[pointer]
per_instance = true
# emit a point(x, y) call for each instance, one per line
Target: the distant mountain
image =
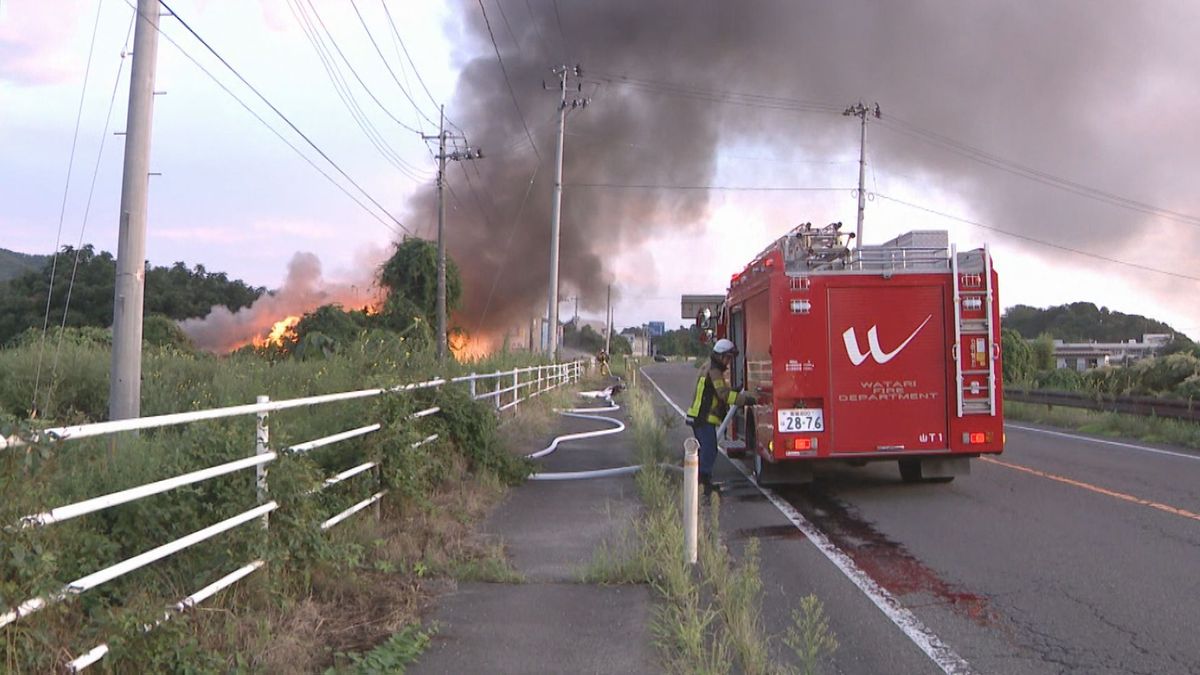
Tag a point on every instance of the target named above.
point(1081, 322)
point(13, 264)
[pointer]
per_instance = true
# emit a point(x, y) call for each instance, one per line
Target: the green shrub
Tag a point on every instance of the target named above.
point(1060, 379)
point(37, 561)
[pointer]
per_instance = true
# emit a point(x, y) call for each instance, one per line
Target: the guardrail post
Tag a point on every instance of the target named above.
point(379, 488)
point(472, 383)
point(262, 445)
point(496, 394)
point(516, 387)
point(691, 501)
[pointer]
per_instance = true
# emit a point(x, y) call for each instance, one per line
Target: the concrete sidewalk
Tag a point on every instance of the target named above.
point(552, 623)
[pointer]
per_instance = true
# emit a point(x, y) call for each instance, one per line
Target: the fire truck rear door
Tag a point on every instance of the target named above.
point(888, 353)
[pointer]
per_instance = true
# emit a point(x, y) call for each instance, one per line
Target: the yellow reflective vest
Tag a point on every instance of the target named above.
point(713, 398)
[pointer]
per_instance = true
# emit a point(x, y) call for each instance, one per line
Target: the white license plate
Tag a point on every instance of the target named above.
point(795, 420)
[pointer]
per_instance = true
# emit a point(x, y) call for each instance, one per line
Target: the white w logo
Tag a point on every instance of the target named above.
point(881, 357)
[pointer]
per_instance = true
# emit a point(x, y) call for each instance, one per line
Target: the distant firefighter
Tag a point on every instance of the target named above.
point(602, 360)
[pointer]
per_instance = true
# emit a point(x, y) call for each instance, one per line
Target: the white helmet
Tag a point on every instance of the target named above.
point(724, 346)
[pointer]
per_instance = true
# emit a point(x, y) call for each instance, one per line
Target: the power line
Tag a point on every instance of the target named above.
point(596, 139)
point(732, 188)
point(508, 82)
point(342, 88)
point(512, 229)
point(271, 128)
point(62, 213)
point(901, 126)
point(561, 33)
point(717, 95)
point(1036, 175)
point(508, 26)
point(386, 64)
point(1034, 240)
point(396, 34)
point(354, 72)
point(285, 118)
point(538, 29)
point(87, 209)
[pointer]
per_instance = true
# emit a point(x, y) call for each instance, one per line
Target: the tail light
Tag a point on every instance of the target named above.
point(804, 444)
point(977, 437)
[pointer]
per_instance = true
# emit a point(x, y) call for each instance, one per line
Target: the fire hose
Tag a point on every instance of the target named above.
point(587, 414)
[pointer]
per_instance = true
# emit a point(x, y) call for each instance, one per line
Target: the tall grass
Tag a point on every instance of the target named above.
point(35, 562)
point(1183, 433)
point(709, 617)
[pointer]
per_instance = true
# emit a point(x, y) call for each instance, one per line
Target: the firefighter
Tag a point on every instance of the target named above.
point(709, 406)
point(602, 359)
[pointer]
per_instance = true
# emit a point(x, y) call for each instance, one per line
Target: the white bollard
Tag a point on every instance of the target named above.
point(262, 445)
point(691, 497)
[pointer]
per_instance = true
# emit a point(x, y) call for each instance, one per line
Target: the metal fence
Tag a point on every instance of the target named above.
point(1130, 405)
point(502, 389)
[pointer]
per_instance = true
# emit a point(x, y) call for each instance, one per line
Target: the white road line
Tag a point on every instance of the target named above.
point(926, 640)
point(1118, 444)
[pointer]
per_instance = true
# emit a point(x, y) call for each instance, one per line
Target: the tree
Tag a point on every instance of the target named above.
point(333, 322)
point(176, 292)
point(1043, 352)
point(1081, 322)
point(411, 273)
point(680, 342)
point(1018, 357)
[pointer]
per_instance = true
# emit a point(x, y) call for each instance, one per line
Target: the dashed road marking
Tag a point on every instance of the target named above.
point(1100, 441)
point(1166, 508)
point(908, 623)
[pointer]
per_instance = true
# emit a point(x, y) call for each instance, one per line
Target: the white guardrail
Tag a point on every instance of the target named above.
point(505, 389)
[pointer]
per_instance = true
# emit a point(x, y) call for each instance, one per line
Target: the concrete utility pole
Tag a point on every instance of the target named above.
point(861, 111)
point(465, 155)
point(608, 327)
point(125, 377)
point(564, 73)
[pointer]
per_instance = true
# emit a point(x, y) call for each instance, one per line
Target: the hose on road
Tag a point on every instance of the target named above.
point(587, 414)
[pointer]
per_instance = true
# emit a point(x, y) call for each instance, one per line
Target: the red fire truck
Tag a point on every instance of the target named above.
point(873, 353)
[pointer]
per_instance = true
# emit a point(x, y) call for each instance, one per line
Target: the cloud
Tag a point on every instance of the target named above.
point(36, 46)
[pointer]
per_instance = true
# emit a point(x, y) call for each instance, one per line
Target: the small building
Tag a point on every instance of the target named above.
point(639, 340)
point(1082, 356)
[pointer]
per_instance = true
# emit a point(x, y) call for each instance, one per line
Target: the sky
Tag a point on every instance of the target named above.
point(1093, 100)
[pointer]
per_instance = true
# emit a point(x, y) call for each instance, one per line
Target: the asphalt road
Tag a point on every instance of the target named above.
point(1066, 555)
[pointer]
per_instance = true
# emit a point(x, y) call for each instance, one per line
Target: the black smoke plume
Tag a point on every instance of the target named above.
point(1094, 91)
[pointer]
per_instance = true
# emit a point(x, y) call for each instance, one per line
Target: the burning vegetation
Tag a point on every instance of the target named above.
point(309, 310)
point(283, 330)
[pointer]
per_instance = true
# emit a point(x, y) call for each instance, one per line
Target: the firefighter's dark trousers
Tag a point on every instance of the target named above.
point(707, 435)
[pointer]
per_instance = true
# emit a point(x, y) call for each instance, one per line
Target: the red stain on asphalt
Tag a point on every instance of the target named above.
point(884, 560)
point(788, 531)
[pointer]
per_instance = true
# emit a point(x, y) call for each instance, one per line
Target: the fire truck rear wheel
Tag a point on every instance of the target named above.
point(763, 473)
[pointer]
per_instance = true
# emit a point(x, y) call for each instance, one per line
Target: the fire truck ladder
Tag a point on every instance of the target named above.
point(980, 327)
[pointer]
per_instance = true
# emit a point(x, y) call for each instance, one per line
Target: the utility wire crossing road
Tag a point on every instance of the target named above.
point(1066, 554)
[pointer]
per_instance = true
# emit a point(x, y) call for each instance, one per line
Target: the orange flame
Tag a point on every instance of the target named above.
point(466, 347)
point(284, 329)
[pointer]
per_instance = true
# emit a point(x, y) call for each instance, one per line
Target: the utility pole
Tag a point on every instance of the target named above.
point(465, 155)
point(564, 74)
point(125, 376)
point(861, 111)
point(608, 327)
